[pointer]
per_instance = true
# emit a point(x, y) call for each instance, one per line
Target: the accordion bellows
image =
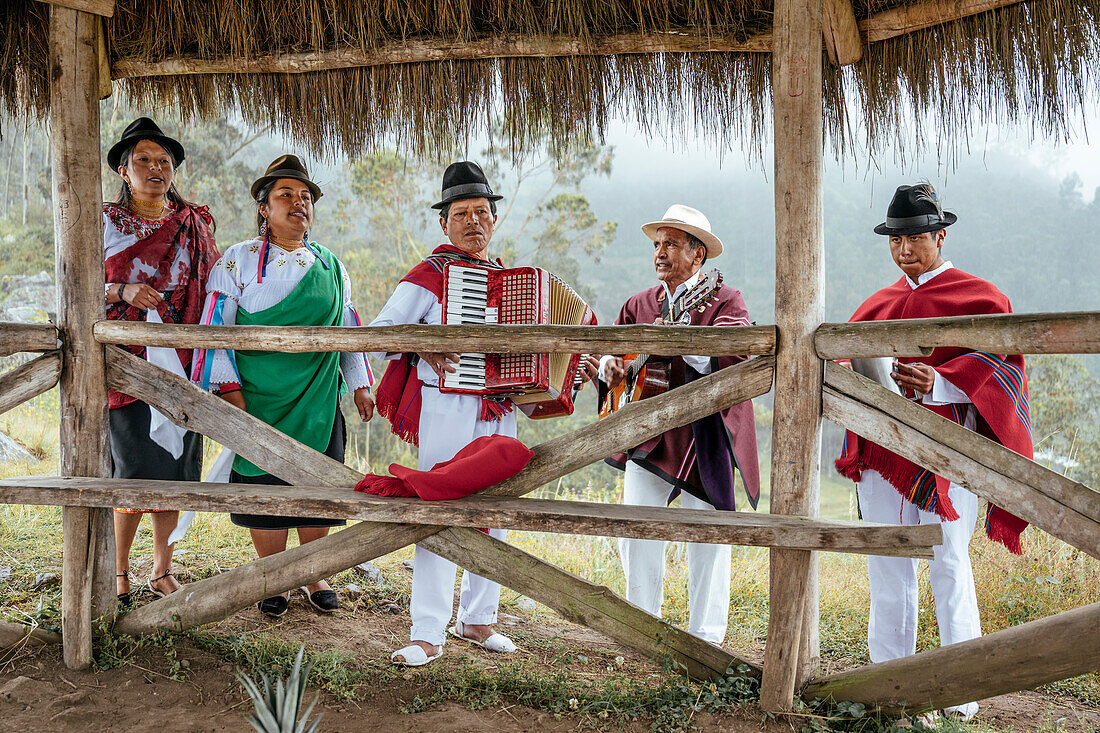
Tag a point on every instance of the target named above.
point(475, 295)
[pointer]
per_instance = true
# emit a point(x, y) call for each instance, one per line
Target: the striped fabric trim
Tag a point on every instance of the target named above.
point(730, 321)
point(204, 360)
point(1011, 380)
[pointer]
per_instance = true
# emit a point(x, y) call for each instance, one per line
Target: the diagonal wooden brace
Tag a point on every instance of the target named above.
point(215, 598)
point(1060, 506)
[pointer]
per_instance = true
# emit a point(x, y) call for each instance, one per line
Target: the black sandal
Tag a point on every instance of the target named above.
point(274, 607)
point(124, 599)
point(154, 591)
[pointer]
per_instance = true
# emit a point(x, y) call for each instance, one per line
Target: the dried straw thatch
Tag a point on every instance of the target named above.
point(1035, 61)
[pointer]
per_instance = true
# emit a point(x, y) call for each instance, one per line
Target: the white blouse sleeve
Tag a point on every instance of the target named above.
point(353, 364)
point(223, 287)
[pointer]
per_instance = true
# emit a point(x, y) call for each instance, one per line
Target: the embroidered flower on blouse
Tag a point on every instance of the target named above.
point(129, 223)
point(301, 262)
point(254, 247)
point(229, 265)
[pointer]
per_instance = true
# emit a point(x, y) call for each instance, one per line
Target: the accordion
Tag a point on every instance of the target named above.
point(475, 295)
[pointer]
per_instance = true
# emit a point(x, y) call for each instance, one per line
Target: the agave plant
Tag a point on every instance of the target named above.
point(277, 705)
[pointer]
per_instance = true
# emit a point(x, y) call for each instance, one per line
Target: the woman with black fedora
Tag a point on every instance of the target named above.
point(158, 251)
point(281, 278)
point(980, 391)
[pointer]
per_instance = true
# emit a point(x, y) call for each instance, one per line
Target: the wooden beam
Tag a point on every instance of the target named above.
point(579, 601)
point(910, 18)
point(419, 50)
point(1064, 508)
point(29, 380)
point(716, 340)
point(215, 598)
point(12, 633)
point(791, 652)
point(1019, 658)
point(880, 27)
point(531, 515)
point(105, 8)
point(87, 581)
point(842, 41)
point(16, 337)
point(1015, 333)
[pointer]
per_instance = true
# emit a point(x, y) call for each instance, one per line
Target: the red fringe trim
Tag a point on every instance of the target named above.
point(493, 410)
point(1006, 528)
point(852, 466)
point(372, 483)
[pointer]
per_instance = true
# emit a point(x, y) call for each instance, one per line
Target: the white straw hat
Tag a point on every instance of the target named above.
point(689, 220)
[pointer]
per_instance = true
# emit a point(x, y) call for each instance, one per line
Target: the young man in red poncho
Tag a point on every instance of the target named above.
point(443, 424)
point(983, 392)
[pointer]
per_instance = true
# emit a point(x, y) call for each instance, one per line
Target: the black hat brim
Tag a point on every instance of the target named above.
point(173, 146)
point(948, 219)
point(285, 173)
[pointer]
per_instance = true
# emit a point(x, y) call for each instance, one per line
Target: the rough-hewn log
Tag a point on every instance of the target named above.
point(416, 50)
point(582, 602)
point(532, 515)
point(12, 633)
point(87, 587)
point(791, 652)
point(842, 41)
point(214, 598)
point(1016, 333)
point(718, 340)
point(1019, 658)
point(1066, 509)
point(883, 26)
point(29, 380)
point(15, 337)
point(907, 19)
point(105, 8)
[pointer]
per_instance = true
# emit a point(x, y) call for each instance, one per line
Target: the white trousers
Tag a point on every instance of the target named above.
point(447, 424)
point(892, 624)
point(644, 562)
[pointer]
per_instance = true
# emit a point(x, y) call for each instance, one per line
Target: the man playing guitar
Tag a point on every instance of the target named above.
point(694, 461)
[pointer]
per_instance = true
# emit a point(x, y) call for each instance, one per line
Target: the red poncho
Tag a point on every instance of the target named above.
point(996, 385)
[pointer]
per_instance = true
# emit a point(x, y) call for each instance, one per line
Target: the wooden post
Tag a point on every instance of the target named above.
point(792, 644)
point(87, 589)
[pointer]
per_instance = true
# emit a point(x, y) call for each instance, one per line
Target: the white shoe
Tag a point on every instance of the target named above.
point(414, 655)
point(498, 643)
point(963, 712)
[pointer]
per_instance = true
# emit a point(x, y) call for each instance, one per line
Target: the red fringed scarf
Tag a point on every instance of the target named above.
point(186, 227)
point(485, 462)
point(397, 396)
point(996, 385)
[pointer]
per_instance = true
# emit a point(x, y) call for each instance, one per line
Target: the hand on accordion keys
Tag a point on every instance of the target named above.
point(441, 362)
point(588, 369)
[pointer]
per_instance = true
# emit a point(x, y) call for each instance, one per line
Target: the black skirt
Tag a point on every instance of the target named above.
point(136, 455)
point(335, 451)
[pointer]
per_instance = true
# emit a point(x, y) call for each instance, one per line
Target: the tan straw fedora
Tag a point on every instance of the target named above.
point(689, 220)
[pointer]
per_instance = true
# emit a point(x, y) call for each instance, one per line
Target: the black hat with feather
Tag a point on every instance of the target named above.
point(915, 210)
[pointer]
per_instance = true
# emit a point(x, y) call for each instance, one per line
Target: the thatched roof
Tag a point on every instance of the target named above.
point(1036, 61)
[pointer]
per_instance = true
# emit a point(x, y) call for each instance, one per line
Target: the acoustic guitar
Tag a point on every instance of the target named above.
point(645, 378)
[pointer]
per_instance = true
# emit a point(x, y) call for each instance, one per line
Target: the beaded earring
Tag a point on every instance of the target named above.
point(263, 228)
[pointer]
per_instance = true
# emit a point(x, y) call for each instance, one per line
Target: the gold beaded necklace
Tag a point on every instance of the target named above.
point(287, 243)
point(151, 210)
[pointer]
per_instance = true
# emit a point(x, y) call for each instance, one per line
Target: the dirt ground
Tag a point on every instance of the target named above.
point(37, 692)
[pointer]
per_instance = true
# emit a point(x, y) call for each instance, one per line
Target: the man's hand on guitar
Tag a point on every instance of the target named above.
point(614, 370)
point(440, 361)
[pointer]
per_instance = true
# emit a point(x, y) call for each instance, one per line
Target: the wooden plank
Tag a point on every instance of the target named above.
point(532, 515)
point(16, 337)
point(1019, 658)
point(716, 340)
point(582, 602)
point(910, 18)
point(792, 641)
point(419, 50)
point(842, 41)
point(1015, 333)
point(12, 633)
point(29, 380)
point(87, 587)
point(104, 8)
point(213, 599)
point(1064, 508)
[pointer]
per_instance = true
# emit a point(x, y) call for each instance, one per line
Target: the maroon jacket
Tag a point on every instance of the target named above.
point(699, 458)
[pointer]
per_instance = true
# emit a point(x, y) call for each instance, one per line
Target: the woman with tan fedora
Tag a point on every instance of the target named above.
point(158, 252)
point(281, 278)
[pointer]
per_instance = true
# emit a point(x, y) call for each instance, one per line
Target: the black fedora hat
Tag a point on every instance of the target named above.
point(915, 210)
point(465, 180)
point(286, 166)
point(140, 129)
